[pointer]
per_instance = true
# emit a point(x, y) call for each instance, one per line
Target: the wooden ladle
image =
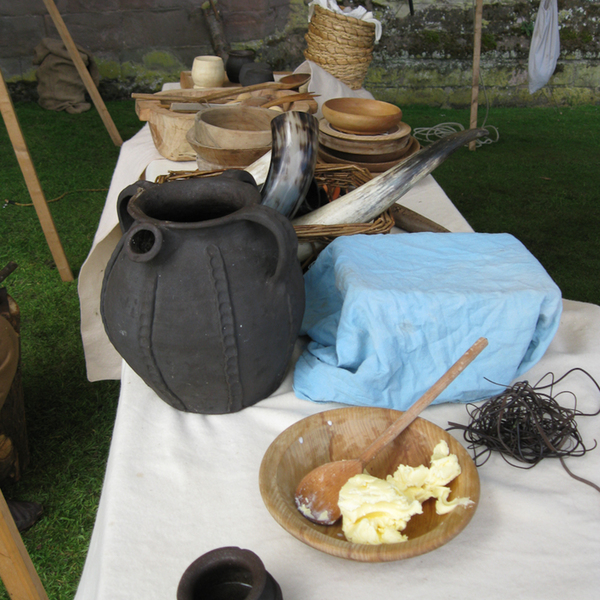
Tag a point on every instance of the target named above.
point(317, 494)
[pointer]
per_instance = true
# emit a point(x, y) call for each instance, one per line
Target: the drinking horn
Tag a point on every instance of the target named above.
point(374, 197)
point(293, 159)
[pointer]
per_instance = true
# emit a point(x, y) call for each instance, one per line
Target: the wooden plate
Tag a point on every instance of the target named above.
point(374, 167)
point(397, 131)
point(341, 434)
point(360, 147)
point(370, 157)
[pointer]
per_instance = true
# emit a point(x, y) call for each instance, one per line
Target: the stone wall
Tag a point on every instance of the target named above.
point(422, 58)
point(429, 56)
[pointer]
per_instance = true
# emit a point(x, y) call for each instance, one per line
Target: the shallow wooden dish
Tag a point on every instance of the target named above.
point(357, 155)
point(361, 115)
point(373, 166)
point(364, 144)
point(234, 127)
point(397, 131)
point(225, 157)
point(343, 433)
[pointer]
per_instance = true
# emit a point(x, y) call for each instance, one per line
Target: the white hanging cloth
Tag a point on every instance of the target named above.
point(545, 46)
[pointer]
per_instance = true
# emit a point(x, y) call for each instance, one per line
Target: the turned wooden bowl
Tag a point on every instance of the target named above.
point(361, 115)
point(342, 434)
point(234, 127)
point(224, 157)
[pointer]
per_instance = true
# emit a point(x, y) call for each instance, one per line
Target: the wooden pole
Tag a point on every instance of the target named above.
point(16, 569)
point(83, 72)
point(476, 57)
point(31, 180)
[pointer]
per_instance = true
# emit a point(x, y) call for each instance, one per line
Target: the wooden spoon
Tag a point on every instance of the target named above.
point(317, 494)
point(291, 99)
point(215, 95)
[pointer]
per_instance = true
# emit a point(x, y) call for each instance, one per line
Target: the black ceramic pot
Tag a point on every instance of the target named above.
point(235, 61)
point(228, 574)
point(253, 73)
point(203, 295)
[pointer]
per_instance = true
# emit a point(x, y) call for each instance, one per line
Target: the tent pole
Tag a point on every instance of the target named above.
point(16, 569)
point(33, 184)
point(83, 72)
point(476, 57)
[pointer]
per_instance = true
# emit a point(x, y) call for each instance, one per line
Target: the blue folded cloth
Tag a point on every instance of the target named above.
point(389, 314)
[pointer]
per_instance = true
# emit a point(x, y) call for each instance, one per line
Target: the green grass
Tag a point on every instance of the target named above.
point(540, 182)
point(69, 419)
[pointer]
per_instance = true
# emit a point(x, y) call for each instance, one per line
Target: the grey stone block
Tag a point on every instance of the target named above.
point(13, 67)
point(66, 7)
point(164, 29)
point(102, 32)
point(22, 8)
point(249, 25)
point(20, 35)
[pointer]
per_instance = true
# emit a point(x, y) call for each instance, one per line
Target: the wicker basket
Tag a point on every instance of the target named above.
point(341, 45)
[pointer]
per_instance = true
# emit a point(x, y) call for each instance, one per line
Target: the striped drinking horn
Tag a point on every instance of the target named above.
point(293, 160)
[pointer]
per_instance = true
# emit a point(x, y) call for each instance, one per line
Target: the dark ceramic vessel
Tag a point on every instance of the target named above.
point(203, 295)
point(228, 574)
point(253, 73)
point(235, 61)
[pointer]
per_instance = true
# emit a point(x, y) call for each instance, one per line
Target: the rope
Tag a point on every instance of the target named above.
point(7, 202)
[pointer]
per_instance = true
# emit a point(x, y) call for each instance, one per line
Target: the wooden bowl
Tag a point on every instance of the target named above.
point(341, 434)
point(367, 162)
point(224, 157)
point(361, 115)
point(396, 139)
point(234, 127)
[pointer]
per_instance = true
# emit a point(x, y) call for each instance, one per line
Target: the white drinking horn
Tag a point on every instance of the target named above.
point(374, 197)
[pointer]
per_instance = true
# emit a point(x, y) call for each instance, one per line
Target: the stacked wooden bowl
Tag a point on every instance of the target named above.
point(367, 133)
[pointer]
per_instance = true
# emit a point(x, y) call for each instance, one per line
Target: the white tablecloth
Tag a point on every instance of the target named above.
point(178, 485)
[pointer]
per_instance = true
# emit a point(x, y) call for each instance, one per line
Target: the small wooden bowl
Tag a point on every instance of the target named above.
point(234, 127)
point(225, 157)
point(344, 433)
point(361, 115)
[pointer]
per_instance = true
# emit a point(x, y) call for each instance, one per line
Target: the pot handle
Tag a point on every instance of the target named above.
point(143, 242)
point(127, 194)
point(283, 233)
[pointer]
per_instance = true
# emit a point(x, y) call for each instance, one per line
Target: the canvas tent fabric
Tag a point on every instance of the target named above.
point(387, 315)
